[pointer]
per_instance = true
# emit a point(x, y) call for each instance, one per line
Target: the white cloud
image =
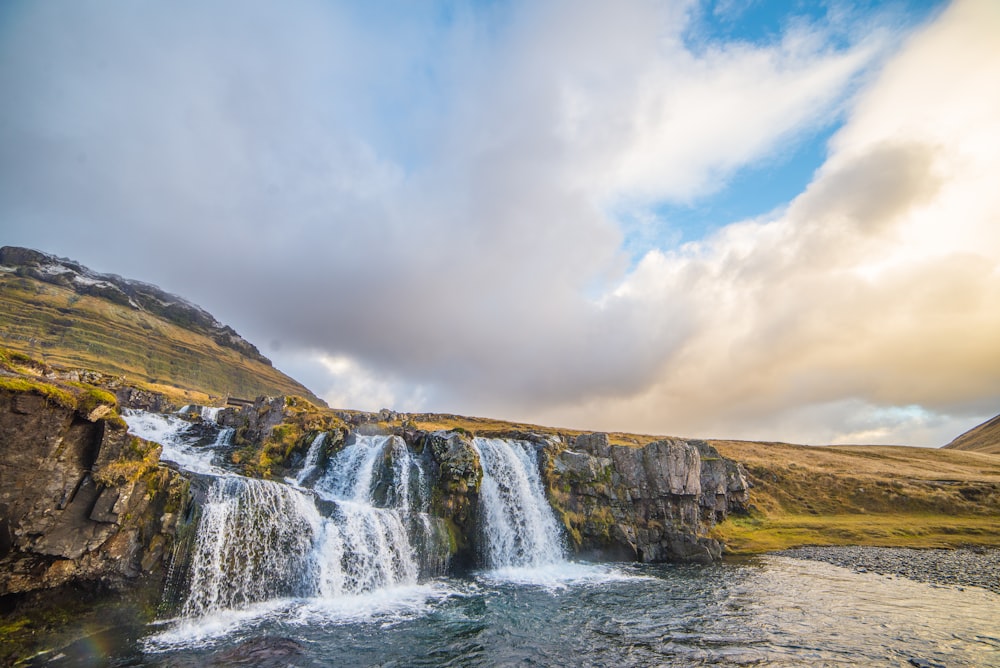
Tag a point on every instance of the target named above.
point(880, 283)
point(427, 202)
point(351, 385)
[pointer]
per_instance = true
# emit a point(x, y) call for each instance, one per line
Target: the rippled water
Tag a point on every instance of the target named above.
point(368, 600)
point(772, 611)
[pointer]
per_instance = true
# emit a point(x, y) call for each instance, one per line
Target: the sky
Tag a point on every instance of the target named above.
point(702, 219)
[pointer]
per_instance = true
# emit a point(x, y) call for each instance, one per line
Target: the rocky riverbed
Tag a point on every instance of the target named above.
point(967, 567)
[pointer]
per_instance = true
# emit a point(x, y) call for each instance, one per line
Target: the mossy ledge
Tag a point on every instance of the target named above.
point(101, 519)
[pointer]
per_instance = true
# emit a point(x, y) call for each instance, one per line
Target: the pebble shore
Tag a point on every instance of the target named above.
point(964, 567)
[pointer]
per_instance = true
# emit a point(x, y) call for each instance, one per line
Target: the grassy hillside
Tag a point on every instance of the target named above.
point(864, 495)
point(58, 326)
point(984, 438)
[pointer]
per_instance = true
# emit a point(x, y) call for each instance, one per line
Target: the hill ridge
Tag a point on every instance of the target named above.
point(981, 438)
point(63, 313)
point(137, 294)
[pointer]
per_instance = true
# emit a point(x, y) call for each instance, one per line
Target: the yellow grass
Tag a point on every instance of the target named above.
point(864, 495)
point(59, 327)
point(765, 534)
point(477, 425)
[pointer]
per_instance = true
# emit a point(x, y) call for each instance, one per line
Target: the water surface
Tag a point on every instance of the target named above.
point(773, 611)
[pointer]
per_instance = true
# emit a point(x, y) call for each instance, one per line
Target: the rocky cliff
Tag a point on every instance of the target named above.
point(80, 499)
point(651, 503)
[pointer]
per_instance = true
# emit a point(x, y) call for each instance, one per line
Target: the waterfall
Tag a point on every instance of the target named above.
point(352, 533)
point(365, 549)
point(259, 540)
point(224, 437)
point(312, 458)
point(174, 434)
point(210, 413)
point(255, 542)
point(518, 524)
point(357, 523)
point(350, 474)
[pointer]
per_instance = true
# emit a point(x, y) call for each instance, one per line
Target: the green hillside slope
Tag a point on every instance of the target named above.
point(62, 314)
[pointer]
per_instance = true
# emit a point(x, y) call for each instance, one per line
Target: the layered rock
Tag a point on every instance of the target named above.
point(653, 503)
point(80, 500)
point(455, 489)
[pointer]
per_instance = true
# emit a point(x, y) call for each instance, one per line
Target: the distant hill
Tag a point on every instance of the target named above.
point(984, 438)
point(63, 313)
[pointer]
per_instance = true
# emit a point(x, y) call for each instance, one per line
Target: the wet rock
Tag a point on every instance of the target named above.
point(260, 652)
point(653, 503)
point(60, 520)
point(457, 476)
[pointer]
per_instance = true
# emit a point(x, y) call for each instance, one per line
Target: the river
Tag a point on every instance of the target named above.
point(338, 575)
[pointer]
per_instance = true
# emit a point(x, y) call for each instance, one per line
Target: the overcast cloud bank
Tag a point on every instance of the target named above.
point(429, 212)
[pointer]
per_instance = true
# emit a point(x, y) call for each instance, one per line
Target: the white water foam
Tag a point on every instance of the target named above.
point(210, 413)
point(312, 458)
point(518, 524)
point(388, 605)
point(172, 433)
point(559, 575)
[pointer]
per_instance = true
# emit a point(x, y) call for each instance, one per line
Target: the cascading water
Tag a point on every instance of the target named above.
point(261, 540)
point(381, 508)
point(210, 413)
point(518, 525)
point(224, 437)
point(255, 542)
point(174, 434)
point(312, 459)
point(354, 524)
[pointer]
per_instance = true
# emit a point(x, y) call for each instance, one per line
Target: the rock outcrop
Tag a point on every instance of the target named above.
point(455, 485)
point(653, 503)
point(81, 500)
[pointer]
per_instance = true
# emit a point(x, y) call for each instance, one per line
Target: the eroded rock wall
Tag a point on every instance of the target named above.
point(654, 503)
point(80, 500)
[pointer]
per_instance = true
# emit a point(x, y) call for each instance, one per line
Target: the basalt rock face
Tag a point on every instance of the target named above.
point(654, 503)
point(455, 489)
point(80, 500)
point(254, 422)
